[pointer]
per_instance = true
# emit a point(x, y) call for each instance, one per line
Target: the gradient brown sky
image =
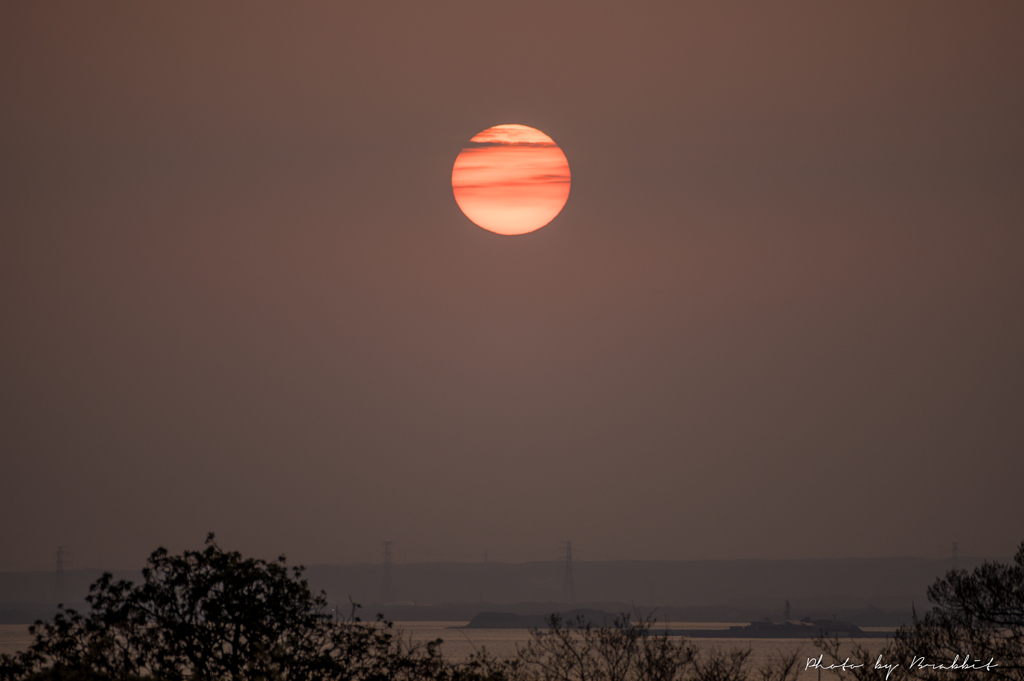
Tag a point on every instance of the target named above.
point(782, 314)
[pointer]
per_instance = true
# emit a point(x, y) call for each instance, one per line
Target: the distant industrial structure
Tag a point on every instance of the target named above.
point(387, 592)
point(59, 587)
point(568, 585)
point(485, 584)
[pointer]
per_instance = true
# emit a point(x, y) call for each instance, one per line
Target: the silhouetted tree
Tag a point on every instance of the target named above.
point(209, 615)
point(977, 618)
point(626, 651)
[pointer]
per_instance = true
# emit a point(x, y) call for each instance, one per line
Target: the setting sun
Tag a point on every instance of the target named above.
point(513, 179)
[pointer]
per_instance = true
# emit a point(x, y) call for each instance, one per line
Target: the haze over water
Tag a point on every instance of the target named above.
point(460, 643)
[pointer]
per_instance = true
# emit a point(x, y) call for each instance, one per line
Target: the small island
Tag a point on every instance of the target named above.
point(805, 628)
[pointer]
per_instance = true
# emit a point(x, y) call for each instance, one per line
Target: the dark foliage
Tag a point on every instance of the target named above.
point(977, 615)
point(211, 614)
point(626, 651)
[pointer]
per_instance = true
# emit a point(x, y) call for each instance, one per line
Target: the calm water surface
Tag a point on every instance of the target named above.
point(460, 643)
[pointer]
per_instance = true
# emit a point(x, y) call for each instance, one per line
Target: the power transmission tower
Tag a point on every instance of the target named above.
point(63, 561)
point(568, 586)
point(956, 555)
point(486, 582)
point(388, 587)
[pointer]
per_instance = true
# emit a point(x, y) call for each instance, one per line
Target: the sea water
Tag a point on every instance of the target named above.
point(460, 643)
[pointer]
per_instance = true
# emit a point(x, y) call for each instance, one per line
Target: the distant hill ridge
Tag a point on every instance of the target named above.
point(511, 620)
point(850, 583)
point(748, 589)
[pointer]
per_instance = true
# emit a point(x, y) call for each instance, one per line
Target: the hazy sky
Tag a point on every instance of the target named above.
point(781, 314)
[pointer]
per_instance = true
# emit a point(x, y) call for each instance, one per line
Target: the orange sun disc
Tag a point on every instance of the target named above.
point(513, 179)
